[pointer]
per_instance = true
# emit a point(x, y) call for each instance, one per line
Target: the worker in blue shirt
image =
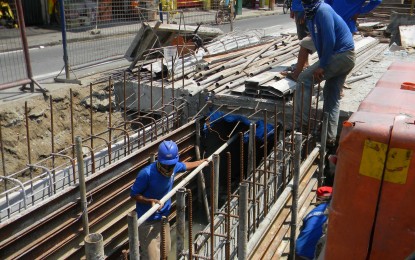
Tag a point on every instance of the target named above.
point(350, 10)
point(312, 228)
point(153, 182)
point(335, 48)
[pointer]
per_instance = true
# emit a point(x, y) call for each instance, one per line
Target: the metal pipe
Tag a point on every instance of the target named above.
point(162, 84)
point(29, 153)
point(295, 187)
point(309, 119)
point(275, 151)
point(25, 46)
point(284, 176)
point(243, 205)
point(133, 242)
point(188, 178)
point(151, 86)
point(181, 221)
point(321, 177)
point(125, 111)
point(200, 177)
point(139, 92)
point(252, 135)
point(216, 161)
point(64, 41)
point(82, 186)
point(52, 141)
point(94, 246)
point(241, 159)
point(3, 164)
point(316, 114)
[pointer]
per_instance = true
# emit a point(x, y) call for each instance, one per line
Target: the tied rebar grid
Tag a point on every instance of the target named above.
point(58, 171)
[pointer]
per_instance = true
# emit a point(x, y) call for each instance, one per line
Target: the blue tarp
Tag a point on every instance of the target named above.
point(219, 116)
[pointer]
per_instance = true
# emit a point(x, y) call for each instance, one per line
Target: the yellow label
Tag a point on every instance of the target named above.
point(397, 165)
point(373, 159)
point(373, 162)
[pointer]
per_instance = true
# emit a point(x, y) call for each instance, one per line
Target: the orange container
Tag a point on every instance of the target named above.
point(389, 100)
point(394, 78)
point(402, 66)
point(394, 233)
point(357, 184)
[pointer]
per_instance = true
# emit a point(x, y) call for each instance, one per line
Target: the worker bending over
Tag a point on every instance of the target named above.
point(335, 48)
point(152, 183)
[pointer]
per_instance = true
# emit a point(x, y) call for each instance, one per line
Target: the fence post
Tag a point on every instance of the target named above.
point(133, 236)
point(296, 180)
point(243, 221)
point(181, 224)
point(94, 247)
point(82, 186)
point(22, 27)
point(65, 50)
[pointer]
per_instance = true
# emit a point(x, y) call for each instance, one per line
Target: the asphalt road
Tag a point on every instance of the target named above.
point(48, 61)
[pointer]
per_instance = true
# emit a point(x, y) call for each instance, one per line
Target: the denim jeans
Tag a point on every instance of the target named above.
point(335, 75)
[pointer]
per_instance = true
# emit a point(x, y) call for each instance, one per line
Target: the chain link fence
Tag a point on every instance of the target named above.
point(12, 60)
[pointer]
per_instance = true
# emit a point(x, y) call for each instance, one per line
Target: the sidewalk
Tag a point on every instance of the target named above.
point(49, 36)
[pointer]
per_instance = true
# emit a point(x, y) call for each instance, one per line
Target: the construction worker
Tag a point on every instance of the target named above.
point(6, 16)
point(152, 183)
point(335, 48)
point(312, 227)
point(349, 11)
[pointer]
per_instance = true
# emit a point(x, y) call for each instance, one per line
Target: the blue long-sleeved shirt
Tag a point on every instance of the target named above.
point(348, 9)
point(330, 34)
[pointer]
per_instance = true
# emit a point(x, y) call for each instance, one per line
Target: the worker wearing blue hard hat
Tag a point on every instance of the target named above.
point(153, 182)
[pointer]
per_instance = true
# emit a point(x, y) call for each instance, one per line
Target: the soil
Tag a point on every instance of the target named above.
point(15, 135)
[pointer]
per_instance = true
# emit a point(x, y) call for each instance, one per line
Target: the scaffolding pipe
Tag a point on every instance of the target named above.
point(216, 163)
point(200, 177)
point(181, 221)
point(133, 243)
point(279, 204)
point(94, 246)
point(188, 178)
point(323, 150)
point(243, 221)
point(82, 186)
point(294, 205)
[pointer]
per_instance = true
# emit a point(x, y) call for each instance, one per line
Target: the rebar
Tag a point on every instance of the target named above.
point(265, 164)
point(151, 86)
point(72, 124)
point(309, 119)
point(29, 154)
point(284, 176)
point(228, 207)
point(275, 150)
point(162, 84)
point(241, 158)
point(190, 211)
point(110, 120)
point(316, 113)
point(138, 92)
point(212, 211)
point(91, 113)
point(163, 246)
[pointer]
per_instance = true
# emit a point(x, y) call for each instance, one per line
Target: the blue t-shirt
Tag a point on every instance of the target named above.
point(349, 8)
point(311, 231)
point(330, 34)
point(153, 185)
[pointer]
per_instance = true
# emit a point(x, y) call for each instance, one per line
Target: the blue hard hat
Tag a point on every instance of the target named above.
point(168, 153)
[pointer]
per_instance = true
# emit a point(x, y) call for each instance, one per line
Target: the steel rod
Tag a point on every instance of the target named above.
point(82, 186)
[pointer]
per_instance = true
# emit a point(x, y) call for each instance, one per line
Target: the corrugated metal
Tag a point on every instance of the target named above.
point(32, 12)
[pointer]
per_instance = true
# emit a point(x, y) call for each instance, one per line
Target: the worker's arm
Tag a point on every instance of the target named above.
point(141, 199)
point(193, 165)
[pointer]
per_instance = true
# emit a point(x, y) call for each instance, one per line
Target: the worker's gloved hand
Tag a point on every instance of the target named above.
point(154, 202)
